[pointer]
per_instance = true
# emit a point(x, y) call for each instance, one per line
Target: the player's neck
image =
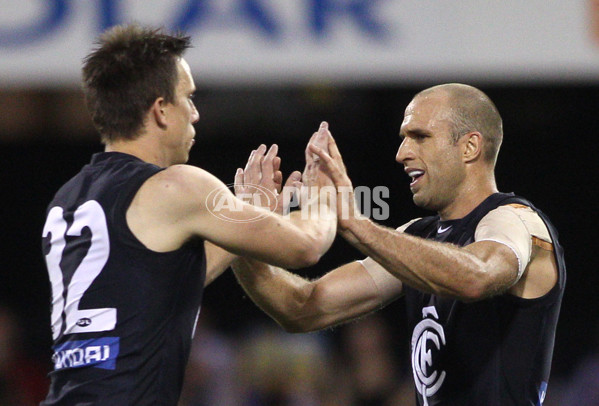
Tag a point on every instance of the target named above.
point(141, 148)
point(469, 196)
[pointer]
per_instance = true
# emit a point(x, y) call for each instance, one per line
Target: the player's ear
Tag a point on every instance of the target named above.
point(158, 112)
point(472, 146)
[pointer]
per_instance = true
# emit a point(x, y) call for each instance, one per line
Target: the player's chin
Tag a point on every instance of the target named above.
point(420, 199)
point(416, 201)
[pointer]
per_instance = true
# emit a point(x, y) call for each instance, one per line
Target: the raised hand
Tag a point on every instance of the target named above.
point(317, 192)
point(332, 164)
point(261, 180)
point(313, 174)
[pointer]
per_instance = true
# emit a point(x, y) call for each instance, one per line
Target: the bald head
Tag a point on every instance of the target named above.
point(471, 110)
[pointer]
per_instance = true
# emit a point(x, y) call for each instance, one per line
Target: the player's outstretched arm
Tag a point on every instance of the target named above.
point(300, 305)
point(183, 202)
point(294, 302)
point(244, 229)
point(471, 273)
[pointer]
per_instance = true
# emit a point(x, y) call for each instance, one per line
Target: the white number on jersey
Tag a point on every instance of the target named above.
point(90, 215)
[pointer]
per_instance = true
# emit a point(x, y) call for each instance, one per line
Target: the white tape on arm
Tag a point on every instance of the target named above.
point(386, 283)
point(503, 225)
point(388, 286)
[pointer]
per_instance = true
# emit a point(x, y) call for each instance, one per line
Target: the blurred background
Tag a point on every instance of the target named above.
point(268, 72)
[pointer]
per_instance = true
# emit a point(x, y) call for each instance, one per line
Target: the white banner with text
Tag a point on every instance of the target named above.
point(42, 42)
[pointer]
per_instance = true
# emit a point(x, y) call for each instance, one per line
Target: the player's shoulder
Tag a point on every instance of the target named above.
point(521, 211)
point(180, 187)
point(182, 179)
point(511, 216)
point(182, 174)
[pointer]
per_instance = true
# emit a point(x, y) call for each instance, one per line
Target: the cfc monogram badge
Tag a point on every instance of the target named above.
point(428, 338)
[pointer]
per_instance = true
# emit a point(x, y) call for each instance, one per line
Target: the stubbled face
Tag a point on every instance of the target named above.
point(429, 154)
point(182, 115)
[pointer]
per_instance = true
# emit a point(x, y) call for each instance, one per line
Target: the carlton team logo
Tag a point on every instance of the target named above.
point(427, 340)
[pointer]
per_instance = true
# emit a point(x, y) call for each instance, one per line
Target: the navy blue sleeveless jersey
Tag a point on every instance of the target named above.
point(494, 352)
point(122, 315)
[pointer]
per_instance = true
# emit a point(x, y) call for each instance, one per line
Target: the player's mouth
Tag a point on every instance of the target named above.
point(415, 174)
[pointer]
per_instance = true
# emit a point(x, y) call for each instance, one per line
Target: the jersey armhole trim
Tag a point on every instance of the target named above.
point(542, 243)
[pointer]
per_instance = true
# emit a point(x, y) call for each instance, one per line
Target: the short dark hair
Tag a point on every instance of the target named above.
point(472, 110)
point(130, 68)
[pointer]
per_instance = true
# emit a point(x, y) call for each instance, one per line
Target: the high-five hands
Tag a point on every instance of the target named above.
point(262, 178)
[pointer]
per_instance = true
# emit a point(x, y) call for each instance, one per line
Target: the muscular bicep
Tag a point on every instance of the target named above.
point(500, 265)
point(503, 245)
point(503, 225)
point(520, 228)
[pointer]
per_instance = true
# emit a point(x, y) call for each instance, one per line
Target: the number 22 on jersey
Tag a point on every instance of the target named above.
point(66, 317)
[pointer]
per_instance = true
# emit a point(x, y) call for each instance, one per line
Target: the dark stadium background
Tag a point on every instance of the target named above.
point(549, 155)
